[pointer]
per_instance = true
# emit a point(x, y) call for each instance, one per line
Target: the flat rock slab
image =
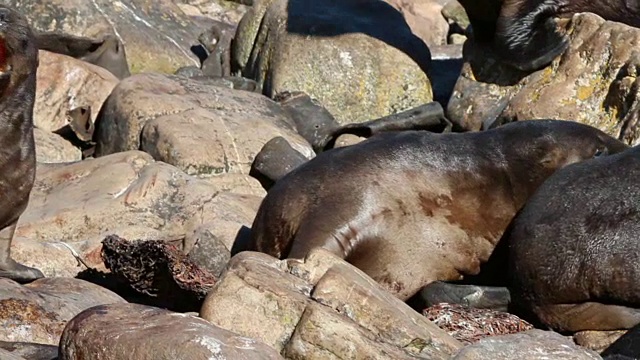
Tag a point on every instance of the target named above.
point(126, 194)
point(38, 311)
point(132, 331)
point(530, 345)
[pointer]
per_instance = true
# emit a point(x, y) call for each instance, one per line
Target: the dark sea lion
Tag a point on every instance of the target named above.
point(413, 207)
point(525, 32)
point(18, 65)
point(107, 52)
point(573, 250)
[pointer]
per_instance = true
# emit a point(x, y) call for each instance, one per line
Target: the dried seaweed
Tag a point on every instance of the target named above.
point(157, 269)
point(468, 325)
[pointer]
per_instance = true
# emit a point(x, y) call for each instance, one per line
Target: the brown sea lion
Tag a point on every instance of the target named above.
point(18, 64)
point(107, 52)
point(525, 33)
point(573, 250)
point(409, 208)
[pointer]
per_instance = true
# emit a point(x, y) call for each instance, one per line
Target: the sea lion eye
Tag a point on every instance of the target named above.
point(600, 152)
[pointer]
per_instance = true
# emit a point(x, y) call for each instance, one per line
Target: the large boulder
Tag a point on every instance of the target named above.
point(156, 34)
point(425, 19)
point(593, 82)
point(359, 59)
point(198, 126)
point(75, 206)
point(320, 308)
point(138, 332)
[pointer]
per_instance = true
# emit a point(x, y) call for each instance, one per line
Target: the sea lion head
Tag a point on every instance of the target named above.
point(18, 51)
point(537, 148)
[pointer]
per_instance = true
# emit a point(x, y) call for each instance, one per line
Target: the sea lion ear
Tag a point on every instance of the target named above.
point(550, 157)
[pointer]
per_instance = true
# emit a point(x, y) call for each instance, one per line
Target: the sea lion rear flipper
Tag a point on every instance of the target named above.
point(529, 40)
point(428, 117)
point(9, 268)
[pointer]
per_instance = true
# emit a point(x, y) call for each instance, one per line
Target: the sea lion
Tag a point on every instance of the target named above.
point(18, 65)
point(107, 52)
point(524, 33)
point(409, 208)
point(573, 250)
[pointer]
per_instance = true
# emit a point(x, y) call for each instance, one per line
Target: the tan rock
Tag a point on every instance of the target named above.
point(597, 340)
point(127, 194)
point(593, 82)
point(38, 312)
point(132, 331)
point(256, 290)
point(53, 148)
point(352, 293)
point(359, 59)
point(202, 129)
point(323, 334)
point(529, 345)
point(347, 316)
point(220, 10)
point(425, 19)
point(156, 34)
point(64, 83)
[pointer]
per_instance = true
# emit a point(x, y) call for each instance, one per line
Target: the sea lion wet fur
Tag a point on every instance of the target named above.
point(412, 207)
point(573, 250)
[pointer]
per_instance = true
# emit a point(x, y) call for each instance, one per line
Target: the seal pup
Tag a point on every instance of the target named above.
point(525, 34)
point(18, 65)
point(409, 208)
point(573, 250)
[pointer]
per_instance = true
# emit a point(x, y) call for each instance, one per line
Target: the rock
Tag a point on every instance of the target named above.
point(201, 128)
point(38, 311)
point(484, 297)
point(469, 325)
point(529, 345)
point(132, 331)
point(63, 84)
point(209, 252)
point(597, 340)
point(425, 19)
point(255, 289)
point(455, 14)
point(53, 148)
point(220, 10)
point(7, 355)
point(359, 59)
point(309, 309)
point(324, 334)
point(157, 35)
point(276, 159)
point(593, 82)
point(29, 351)
point(127, 194)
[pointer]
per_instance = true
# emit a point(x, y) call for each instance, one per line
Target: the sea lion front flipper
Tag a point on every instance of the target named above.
point(529, 40)
point(9, 268)
point(429, 116)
